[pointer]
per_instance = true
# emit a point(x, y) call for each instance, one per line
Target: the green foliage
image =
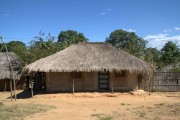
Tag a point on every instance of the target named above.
point(153, 56)
point(128, 41)
point(1, 47)
point(66, 38)
point(19, 48)
point(136, 46)
point(170, 54)
point(102, 116)
point(141, 113)
point(176, 66)
point(13, 46)
point(42, 46)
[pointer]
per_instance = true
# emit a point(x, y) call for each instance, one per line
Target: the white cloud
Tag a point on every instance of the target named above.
point(157, 37)
point(177, 28)
point(171, 30)
point(159, 40)
point(130, 30)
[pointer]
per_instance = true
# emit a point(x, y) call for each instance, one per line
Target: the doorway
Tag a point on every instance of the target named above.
point(103, 80)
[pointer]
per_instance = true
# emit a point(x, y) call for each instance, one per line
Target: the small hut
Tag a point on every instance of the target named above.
point(93, 67)
point(5, 73)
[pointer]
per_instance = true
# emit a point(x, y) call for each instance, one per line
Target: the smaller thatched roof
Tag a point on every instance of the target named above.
point(170, 67)
point(4, 65)
point(90, 57)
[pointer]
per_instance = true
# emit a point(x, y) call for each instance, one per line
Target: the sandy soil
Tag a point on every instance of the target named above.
point(91, 106)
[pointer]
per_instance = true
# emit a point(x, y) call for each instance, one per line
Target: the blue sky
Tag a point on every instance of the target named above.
point(157, 21)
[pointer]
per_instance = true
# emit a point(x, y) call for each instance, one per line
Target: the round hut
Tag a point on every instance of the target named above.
point(93, 67)
point(5, 73)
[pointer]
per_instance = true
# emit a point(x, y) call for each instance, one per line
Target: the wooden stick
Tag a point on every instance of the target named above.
point(32, 86)
point(11, 69)
point(11, 88)
point(73, 82)
point(112, 82)
point(32, 91)
point(5, 86)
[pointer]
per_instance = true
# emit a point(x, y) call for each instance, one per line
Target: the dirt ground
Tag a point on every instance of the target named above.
point(104, 106)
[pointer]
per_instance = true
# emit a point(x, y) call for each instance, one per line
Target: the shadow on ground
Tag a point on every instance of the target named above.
point(26, 94)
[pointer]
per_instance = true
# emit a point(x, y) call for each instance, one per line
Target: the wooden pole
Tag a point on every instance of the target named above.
point(144, 84)
point(151, 83)
point(32, 91)
point(112, 82)
point(11, 88)
point(4, 85)
point(11, 69)
point(73, 81)
point(32, 86)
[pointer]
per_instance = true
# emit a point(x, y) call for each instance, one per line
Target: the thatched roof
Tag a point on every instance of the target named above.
point(170, 67)
point(4, 65)
point(90, 57)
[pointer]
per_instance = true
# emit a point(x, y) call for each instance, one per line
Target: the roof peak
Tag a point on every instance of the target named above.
point(105, 43)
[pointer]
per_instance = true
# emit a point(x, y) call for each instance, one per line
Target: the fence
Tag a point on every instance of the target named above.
point(167, 81)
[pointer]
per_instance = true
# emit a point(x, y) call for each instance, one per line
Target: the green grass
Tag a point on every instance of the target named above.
point(103, 116)
point(1, 104)
point(141, 113)
point(157, 118)
point(19, 111)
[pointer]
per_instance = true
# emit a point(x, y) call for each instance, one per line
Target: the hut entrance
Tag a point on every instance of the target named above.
point(103, 80)
point(39, 81)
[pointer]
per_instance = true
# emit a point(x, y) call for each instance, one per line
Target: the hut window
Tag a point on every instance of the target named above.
point(77, 75)
point(120, 74)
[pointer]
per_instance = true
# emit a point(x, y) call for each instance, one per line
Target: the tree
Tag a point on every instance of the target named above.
point(69, 37)
point(12, 46)
point(170, 53)
point(128, 41)
point(153, 56)
point(19, 48)
point(42, 46)
point(1, 47)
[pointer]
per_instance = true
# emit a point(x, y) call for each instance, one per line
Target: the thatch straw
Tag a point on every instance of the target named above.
point(4, 65)
point(90, 57)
